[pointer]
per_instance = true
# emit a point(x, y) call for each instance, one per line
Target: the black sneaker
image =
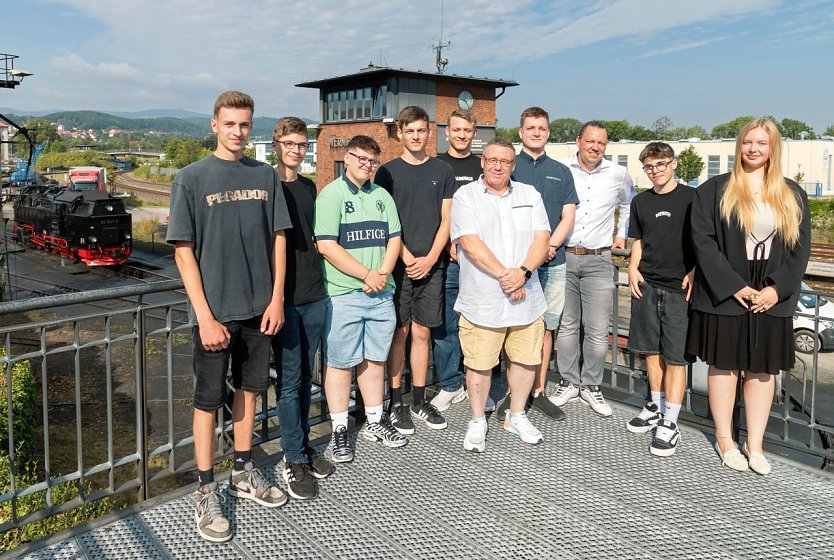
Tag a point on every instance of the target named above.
point(300, 484)
point(666, 438)
point(318, 464)
point(385, 432)
point(340, 446)
point(646, 420)
point(547, 407)
point(401, 419)
point(428, 413)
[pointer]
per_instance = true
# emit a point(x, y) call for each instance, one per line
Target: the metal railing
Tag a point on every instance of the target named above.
point(115, 388)
point(802, 418)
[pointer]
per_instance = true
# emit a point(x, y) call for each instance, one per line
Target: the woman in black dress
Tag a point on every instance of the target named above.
point(751, 232)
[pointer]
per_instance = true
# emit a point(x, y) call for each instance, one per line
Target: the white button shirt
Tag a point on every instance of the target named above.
point(506, 225)
point(607, 187)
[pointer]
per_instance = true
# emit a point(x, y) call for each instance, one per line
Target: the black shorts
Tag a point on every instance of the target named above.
point(421, 300)
point(659, 322)
point(248, 351)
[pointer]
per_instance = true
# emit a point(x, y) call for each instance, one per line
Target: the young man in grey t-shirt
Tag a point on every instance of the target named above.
point(227, 217)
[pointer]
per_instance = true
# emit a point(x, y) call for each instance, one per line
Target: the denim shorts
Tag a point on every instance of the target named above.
point(248, 351)
point(552, 279)
point(358, 327)
point(659, 322)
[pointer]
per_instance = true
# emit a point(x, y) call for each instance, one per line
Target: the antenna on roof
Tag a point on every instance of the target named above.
point(441, 62)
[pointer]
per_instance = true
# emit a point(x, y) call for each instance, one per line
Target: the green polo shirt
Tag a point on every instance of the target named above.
point(361, 220)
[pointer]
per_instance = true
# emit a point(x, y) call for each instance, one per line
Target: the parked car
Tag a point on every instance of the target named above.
point(806, 338)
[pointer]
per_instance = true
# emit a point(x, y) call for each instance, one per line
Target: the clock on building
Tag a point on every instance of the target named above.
point(465, 100)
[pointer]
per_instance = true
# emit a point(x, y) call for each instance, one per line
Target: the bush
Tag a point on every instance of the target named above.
point(24, 412)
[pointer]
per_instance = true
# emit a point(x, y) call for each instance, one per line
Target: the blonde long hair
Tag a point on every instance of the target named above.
point(738, 203)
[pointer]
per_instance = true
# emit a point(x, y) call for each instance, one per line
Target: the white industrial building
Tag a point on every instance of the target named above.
point(263, 148)
point(812, 157)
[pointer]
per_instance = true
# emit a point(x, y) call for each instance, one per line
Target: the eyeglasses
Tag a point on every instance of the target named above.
point(503, 162)
point(373, 163)
point(659, 166)
point(289, 145)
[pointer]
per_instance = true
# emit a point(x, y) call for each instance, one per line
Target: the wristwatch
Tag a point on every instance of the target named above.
point(527, 272)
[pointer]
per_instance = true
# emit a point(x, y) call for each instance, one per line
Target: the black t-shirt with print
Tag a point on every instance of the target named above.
point(466, 169)
point(662, 222)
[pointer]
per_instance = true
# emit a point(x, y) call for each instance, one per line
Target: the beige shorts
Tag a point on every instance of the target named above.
point(482, 346)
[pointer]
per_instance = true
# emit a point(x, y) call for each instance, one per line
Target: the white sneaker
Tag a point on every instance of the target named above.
point(565, 392)
point(520, 425)
point(488, 407)
point(593, 396)
point(444, 399)
point(475, 439)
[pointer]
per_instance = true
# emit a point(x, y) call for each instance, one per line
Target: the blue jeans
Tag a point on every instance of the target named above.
point(445, 339)
point(295, 348)
point(589, 294)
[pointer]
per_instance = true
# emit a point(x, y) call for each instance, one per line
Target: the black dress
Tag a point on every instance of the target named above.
point(721, 331)
point(754, 342)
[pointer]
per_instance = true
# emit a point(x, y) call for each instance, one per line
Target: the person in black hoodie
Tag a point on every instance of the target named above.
point(751, 233)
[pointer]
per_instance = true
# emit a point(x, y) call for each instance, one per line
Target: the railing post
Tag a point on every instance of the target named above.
point(141, 402)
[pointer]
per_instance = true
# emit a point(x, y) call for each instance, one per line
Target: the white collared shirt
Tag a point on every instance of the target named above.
point(607, 187)
point(506, 224)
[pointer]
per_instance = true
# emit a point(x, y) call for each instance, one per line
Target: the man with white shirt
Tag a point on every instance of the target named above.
point(502, 233)
point(602, 187)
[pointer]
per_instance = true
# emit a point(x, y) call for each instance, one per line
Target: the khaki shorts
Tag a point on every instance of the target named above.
point(482, 346)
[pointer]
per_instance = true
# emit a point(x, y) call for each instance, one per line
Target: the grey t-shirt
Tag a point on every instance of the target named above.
point(229, 210)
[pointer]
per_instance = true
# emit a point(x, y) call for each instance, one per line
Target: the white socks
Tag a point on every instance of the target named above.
point(339, 419)
point(672, 411)
point(373, 413)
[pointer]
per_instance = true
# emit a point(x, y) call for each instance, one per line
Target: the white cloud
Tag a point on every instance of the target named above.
point(181, 53)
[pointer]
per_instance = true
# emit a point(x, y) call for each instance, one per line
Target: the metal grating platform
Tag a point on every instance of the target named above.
point(591, 490)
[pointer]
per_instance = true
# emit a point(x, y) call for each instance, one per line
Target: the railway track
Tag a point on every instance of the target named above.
point(128, 183)
point(822, 252)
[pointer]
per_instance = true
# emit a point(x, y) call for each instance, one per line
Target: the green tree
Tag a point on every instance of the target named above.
point(642, 134)
point(690, 165)
point(792, 128)
point(41, 130)
point(800, 175)
point(180, 152)
point(564, 130)
point(730, 129)
point(829, 131)
point(617, 130)
point(662, 128)
point(696, 132)
point(510, 134)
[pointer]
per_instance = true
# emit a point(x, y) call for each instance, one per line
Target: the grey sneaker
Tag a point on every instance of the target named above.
point(212, 525)
point(565, 393)
point(340, 449)
point(251, 484)
point(592, 395)
point(444, 399)
point(385, 432)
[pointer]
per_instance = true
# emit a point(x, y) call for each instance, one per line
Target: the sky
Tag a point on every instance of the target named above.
point(699, 62)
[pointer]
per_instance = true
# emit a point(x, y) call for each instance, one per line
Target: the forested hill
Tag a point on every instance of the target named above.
point(196, 127)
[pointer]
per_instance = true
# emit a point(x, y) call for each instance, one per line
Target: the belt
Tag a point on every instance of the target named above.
point(583, 251)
